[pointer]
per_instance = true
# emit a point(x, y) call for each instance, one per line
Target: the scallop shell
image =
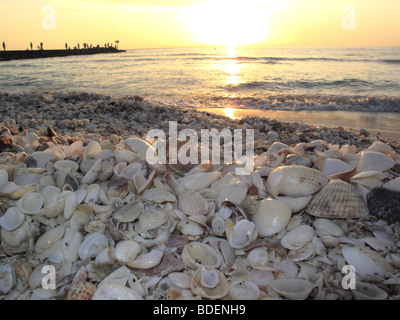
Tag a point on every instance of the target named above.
point(338, 199)
point(384, 204)
point(295, 159)
point(393, 184)
point(335, 166)
point(209, 283)
point(374, 161)
point(295, 181)
point(83, 290)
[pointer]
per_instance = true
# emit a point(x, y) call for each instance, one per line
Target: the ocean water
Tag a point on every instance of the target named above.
point(263, 78)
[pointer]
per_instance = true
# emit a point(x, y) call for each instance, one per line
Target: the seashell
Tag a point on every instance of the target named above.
point(30, 203)
point(392, 184)
point(129, 212)
point(70, 203)
point(198, 181)
point(74, 149)
point(158, 195)
point(118, 191)
point(23, 270)
point(113, 291)
point(295, 181)
point(366, 261)
point(3, 177)
point(95, 226)
point(338, 199)
point(12, 219)
point(374, 161)
point(334, 166)
point(197, 254)
point(70, 244)
point(92, 245)
point(41, 158)
point(384, 204)
point(296, 204)
point(368, 291)
point(130, 170)
point(328, 227)
point(147, 260)
point(91, 150)
point(235, 193)
point(47, 239)
point(54, 209)
point(116, 203)
point(15, 237)
point(92, 194)
point(64, 178)
point(123, 155)
point(55, 254)
point(271, 217)
point(8, 278)
point(27, 179)
point(243, 290)
point(192, 203)
point(93, 172)
point(292, 289)
point(119, 276)
point(66, 165)
point(151, 219)
point(15, 192)
point(180, 279)
point(244, 232)
point(83, 290)
point(143, 184)
point(301, 254)
point(298, 237)
point(258, 257)
point(295, 159)
point(218, 226)
point(190, 228)
point(209, 283)
point(126, 251)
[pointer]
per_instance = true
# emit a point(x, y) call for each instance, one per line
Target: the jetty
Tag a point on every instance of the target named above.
point(37, 54)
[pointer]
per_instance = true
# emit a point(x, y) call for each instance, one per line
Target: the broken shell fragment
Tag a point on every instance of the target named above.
point(209, 283)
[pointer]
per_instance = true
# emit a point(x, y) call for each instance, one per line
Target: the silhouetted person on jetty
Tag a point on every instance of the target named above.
point(41, 46)
point(4, 46)
point(31, 44)
point(66, 46)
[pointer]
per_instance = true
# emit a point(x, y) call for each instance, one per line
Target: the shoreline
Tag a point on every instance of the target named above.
point(38, 54)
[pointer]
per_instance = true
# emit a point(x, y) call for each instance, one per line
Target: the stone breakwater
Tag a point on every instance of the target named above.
point(84, 214)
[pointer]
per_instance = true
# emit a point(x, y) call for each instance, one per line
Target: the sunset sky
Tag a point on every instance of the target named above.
point(184, 23)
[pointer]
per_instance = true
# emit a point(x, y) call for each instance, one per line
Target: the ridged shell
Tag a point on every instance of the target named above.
point(374, 161)
point(338, 199)
point(295, 159)
point(295, 181)
point(384, 204)
point(82, 291)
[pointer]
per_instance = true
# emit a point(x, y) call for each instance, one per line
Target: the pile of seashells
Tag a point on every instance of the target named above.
point(115, 226)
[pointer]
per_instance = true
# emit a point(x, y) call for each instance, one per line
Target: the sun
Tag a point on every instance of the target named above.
point(228, 22)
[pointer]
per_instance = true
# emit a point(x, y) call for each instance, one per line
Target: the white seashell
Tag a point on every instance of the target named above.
point(70, 203)
point(190, 228)
point(301, 254)
point(192, 203)
point(244, 232)
point(27, 179)
point(130, 170)
point(296, 204)
point(366, 261)
point(216, 288)
point(147, 260)
point(119, 277)
point(86, 164)
point(74, 149)
point(54, 209)
point(295, 181)
point(235, 193)
point(66, 165)
point(158, 195)
point(298, 237)
point(142, 184)
point(126, 251)
point(12, 219)
point(112, 291)
point(41, 158)
point(333, 166)
point(117, 191)
point(123, 155)
point(368, 291)
point(393, 184)
point(243, 290)
point(218, 225)
point(50, 195)
point(197, 254)
point(7, 278)
point(71, 243)
point(180, 279)
point(328, 227)
point(93, 172)
point(55, 253)
point(91, 150)
point(271, 217)
point(92, 245)
point(151, 219)
point(129, 212)
point(30, 203)
point(3, 177)
point(374, 161)
point(92, 194)
point(15, 192)
point(47, 239)
point(138, 147)
point(198, 181)
point(292, 289)
point(15, 237)
point(258, 257)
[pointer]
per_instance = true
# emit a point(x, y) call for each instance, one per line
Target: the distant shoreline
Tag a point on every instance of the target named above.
point(37, 54)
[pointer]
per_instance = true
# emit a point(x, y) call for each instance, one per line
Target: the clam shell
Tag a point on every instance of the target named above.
point(328, 227)
point(92, 245)
point(244, 232)
point(338, 199)
point(271, 217)
point(147, 260)
point(15, 237)
point(129, 212)
point(126, 251)
point(199, 181)
point(368, 291)
point(235, 193)
point(3, 177)
point(197, 254)
point(192, 203)
point(219, 288)
point(384, 204)
point(243, 290)
point(298, 237)
point(292, 289)
point(30, 203)
point(71, 243)
point(66, 165)
point(47, 239)
point(152, 218)
point(295, 181)
point(12, 219)
point(7, 278)
point(393, 184)
point(158, 195)
point(374, 161)
point(113, 291)
point(366, 261)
